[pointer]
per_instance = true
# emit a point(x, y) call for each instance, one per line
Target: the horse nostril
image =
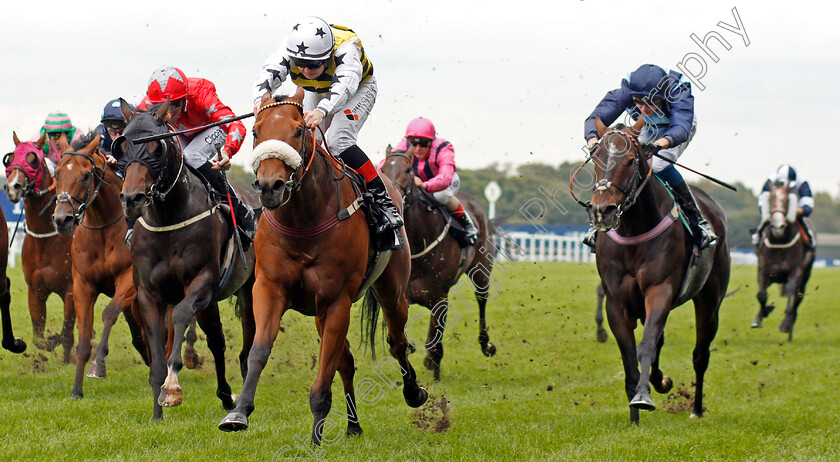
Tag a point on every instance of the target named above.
point(278, 185)
point(256, 185)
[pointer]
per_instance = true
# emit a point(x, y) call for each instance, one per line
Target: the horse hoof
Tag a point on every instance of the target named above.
point(96, 371)
point(353, 431)
point(77, 395)
point(665, 386)
point(234, 422)
point(490, 350)
point(602, 335)
point(419, 400)
point(756, 323)
point(170, 398)
point(192, 360)
point(642, 402)
point(16, 346)
point(694, 416)
point(785, 327)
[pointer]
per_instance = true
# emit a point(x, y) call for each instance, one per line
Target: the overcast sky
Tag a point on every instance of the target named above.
point(509, 82)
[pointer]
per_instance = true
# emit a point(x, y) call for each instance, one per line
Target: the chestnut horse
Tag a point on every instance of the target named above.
point(87, 208)
point(313, 251)
point(178, 254)
point(783, 258)
point(643, 261)
point(45, 254)
point(438, 261)
point(10, 342)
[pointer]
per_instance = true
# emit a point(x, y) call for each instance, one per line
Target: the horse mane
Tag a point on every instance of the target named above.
point(84, 140)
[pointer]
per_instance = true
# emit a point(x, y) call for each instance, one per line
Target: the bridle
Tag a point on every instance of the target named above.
point(29, 187)
point(155, 192)
point(631, 191)
point(91, 192)
point(407, 189)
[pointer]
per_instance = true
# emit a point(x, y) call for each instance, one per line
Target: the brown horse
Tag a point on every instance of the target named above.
point(784, 257)
point(643, 262)
point(313, 253)
point(179, 253)
point(47, 267)
point(10, 342)
point(88, 208)
point(438, 260)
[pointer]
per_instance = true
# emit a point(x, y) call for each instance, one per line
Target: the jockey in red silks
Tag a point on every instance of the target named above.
point(433, 160)
point(193, 103)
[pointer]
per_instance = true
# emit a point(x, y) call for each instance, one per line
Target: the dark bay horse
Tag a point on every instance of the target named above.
point(45, 256)
point(88, 208)
point(784, 257)
point(438, 261)
point(10, 342)
point(313, 250)
point(643, 261)
point(180, 243)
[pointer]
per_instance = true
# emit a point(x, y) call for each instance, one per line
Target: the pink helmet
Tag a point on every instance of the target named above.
point(420, 128)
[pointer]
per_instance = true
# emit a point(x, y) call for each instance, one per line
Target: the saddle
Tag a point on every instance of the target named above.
point(456, 230)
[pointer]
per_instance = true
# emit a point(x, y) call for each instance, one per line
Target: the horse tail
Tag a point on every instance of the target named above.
point(369, 320)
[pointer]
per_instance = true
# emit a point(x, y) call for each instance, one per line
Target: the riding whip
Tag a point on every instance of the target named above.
point(161, 136)
point(710, 178)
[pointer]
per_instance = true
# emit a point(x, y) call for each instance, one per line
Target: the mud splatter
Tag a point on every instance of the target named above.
point(433, 416)
point(679, 400)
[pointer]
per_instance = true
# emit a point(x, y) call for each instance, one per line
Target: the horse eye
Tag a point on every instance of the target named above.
point(299, 132)
point(86, 176)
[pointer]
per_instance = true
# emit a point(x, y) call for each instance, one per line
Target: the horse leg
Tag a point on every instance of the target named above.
point(332, 327)
point(245, 301)
point(84, 299)
point(109, 318)
point(706, 307)
point(600, 333)
point(192, 360)
point(487, 348)
point(396, 315)
point(434, 340)
point(661, 383)
point(794, 298)
point(622, 329)
point(347, 370)
point(211, 324)
point(657, 305)
point(38, 314)
point(198, 299)
point(10, 342)
point(269, 305)
point(67, 339)
point(153, 316)
point(764, 309)
point(134, 325)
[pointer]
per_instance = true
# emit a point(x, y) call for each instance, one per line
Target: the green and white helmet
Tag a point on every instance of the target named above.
point(310, 40)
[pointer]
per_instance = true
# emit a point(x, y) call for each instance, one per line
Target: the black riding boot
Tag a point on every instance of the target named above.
point(704, 236)
point(469, 227)
point(388, 217)
point(245, 217)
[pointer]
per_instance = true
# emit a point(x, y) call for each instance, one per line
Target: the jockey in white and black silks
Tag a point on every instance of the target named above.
point(665, 101)
point(801, 201)
point(329, 62)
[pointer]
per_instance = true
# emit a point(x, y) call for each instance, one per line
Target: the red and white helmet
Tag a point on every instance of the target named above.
point(420, 128)
point(167, 82)
point(311, 40)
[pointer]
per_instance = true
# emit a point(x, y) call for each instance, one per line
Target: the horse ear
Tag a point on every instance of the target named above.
point(91, 147)
point(388, 150)
point(266, 97)
point(637, 127)
point(298, 95)
point(162, 111)
point(125, 108)
point(15, 138)
point(600, 127)
point(41, 141)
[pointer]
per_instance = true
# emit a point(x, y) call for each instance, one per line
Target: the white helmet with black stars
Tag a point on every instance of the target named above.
point(310, 40)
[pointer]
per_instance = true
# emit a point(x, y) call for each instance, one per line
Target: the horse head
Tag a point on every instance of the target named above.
point(25, 169)
point(783, 206)
point(398, 167)
point(146, 164)
point(78, 176)
point(621, 171)
point(280, 142)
